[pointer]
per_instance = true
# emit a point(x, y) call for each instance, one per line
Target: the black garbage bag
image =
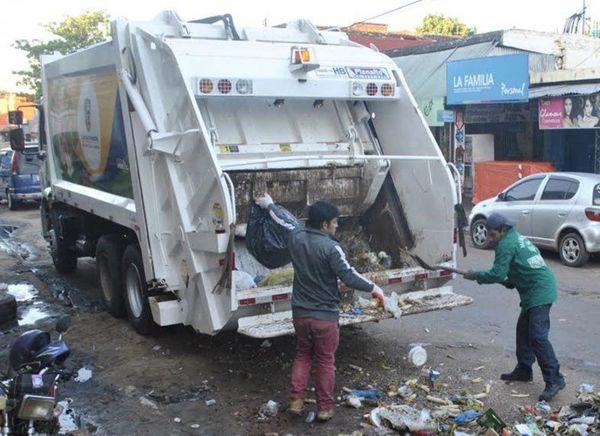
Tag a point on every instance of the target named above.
point(267, 240)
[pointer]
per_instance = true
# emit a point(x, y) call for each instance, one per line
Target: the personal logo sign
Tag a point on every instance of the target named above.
point(489, 79)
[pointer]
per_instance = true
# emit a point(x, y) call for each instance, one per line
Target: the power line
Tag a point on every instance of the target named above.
point(389, 12)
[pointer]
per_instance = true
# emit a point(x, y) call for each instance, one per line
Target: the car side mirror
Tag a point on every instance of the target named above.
point(42, 155)
point(17, 139)
point(501, 196)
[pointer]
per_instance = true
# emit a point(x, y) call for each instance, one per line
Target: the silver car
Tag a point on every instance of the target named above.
point(558, 211)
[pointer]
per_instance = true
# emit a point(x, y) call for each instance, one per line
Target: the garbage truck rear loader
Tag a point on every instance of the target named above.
point(158, 141)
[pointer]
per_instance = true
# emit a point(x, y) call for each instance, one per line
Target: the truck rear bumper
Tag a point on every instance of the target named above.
point(32, 196)
point(280, 323)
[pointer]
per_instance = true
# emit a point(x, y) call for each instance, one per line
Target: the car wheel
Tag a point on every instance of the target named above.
point(108, 265)
point(479, 234)
point(12, 204)
point(572, 250)
point(136, 292)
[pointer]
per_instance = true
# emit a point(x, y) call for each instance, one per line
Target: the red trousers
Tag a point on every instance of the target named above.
point(319, 339)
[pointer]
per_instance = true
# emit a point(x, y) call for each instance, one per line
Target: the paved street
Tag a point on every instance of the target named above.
point(161, 384)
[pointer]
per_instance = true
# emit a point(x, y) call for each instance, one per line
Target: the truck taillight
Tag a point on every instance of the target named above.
point(593, 214)
point(224, 86)
point(387, 90)
point(372, 89)
point(300, 55)
point(14, 163)
point(206, 86)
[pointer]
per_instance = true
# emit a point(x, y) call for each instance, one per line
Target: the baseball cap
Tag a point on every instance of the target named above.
point(495, 221)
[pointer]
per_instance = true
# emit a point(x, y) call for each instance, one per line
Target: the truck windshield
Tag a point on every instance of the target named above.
point(28, 162)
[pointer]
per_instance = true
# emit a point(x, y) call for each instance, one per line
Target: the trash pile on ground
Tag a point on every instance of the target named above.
point(424, 406)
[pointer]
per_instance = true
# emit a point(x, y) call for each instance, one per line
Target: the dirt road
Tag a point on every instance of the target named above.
point(163, 385)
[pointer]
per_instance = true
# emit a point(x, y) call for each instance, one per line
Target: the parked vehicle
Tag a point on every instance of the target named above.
point(158, 141)
point(558, 211)
point(28, 397)
point(19, 175)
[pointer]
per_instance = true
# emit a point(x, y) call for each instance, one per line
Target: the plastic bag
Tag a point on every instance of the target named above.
point(266, 240)
point(390, 304)
point(243, 280)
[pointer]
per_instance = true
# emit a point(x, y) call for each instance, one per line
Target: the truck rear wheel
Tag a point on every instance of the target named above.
point(136, 291)
point(63, 258)
point(109, 250)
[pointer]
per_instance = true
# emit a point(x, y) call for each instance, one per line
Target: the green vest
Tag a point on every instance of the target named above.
point(519, 262)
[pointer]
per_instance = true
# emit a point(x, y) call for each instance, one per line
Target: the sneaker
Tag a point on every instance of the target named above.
point(552, 389)
point(325, 415)
point(517, 375)
point(296, 406)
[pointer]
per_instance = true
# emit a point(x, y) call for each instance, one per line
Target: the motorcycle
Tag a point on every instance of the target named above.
point(28, 398)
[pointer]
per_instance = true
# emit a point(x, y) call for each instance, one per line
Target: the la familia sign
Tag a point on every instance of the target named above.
point(488, 80)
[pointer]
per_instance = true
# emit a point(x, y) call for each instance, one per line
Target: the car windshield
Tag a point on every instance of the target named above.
point(28, 162)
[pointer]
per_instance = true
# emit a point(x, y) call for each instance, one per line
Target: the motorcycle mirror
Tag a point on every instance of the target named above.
point(63, 324)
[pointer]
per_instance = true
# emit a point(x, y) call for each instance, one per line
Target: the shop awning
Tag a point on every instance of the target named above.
point(563, 89)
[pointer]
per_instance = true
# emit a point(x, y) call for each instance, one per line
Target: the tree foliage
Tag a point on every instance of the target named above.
point(73, 33)
point(439, 24)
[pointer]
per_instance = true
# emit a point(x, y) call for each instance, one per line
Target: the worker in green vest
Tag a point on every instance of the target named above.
point(518, 264)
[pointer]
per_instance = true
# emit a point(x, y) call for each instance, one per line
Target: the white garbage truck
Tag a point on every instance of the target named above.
point(157, 141)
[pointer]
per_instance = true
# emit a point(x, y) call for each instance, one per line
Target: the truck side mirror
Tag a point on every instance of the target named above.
point(15, 117)
point(17, 139)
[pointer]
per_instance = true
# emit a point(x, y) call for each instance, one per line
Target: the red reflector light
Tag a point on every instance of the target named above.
point(280, 297)
point(593, 214)
point(395, 280)
point(206, 86)
point(445, 273)
point(422, 276)
point(247, 301)
point(224, 86)
point(371, 89)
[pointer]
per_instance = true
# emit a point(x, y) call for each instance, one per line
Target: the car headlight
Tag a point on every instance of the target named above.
point(36, 407)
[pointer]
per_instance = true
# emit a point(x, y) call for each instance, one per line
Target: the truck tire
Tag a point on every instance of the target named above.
point(479, 234)
point(63, 258)
point(8, 308)
point(136, 292)
point(572, 250)
point(109, 250)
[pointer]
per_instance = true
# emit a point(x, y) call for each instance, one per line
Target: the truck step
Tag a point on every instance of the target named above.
point(280, 323)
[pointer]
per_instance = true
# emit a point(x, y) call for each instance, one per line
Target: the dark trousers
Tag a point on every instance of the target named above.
point(532, 343)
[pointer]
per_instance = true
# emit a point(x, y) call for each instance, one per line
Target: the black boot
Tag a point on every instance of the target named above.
point(552, 389)
point(518, 374)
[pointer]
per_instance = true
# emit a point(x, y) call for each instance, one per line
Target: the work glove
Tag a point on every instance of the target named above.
point(508, 285)
point(471, 275)
point(264, 200)
point(377, 293)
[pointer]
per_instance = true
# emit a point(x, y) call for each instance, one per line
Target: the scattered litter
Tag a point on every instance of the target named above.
point(195, 425)
point(491, 420)
point(404, 391)
point(211, 402)
point(266, 344)
point(402, 417)
point(363, 394)
point(148, 403)
point(22, 291)
point(355, 311)
point(83, 375)
point(426, 330)
point(543, 408)
point(355, 367)
point(353, 401)
point(520, 395)
point(479, 368)
point(156, 348)
point(268, 410)
point(417, 356)
point(310, 417)
point(66, 418)
point(586, 388)
point(466, 417)
point(529, 429)
point(178, 420)
point(433, 376)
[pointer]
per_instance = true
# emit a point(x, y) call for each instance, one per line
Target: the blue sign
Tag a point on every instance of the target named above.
point(487, 80)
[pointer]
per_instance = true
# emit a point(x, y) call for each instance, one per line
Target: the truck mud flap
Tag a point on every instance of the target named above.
point(280, 323)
